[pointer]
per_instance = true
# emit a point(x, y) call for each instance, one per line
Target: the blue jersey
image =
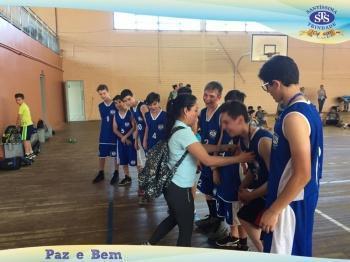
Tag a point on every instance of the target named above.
point(124, 123)
point(107, 113)
point(230, 180)
point(281, 169)
point(156, 128)
point(209, 127)
point(258, 167)
point(295, 224)
point(137, 114)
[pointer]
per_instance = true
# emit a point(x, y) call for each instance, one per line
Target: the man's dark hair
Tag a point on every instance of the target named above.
point(281, 68)
point(188, 85)
point(259, 107)
point(125, 93)
point(184, 90)
point(214, 85)
point(174, 86)
point(118, 97)
point(102, 87)
point(19, 95)
point(152, 97)
point(235, 109)
point(235, 95)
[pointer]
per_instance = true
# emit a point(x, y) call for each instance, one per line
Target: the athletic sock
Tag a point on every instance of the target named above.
point(243, 241)
point(212, 208)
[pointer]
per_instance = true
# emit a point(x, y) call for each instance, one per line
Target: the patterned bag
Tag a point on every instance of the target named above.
point(156, 175)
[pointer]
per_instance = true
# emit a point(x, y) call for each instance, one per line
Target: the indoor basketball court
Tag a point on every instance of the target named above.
point(58, 57)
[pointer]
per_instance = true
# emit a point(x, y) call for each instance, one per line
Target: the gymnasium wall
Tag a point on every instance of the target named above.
point(153, 61)
point(22, 60)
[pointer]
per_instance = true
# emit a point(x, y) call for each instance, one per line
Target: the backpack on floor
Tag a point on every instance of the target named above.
point(156, 175)
point(13, 163)
point(11, 135)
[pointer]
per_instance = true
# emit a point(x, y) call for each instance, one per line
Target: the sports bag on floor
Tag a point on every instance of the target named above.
point(156, 175)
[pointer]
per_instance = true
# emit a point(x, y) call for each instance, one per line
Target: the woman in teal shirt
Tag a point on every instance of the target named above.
point(183, 111)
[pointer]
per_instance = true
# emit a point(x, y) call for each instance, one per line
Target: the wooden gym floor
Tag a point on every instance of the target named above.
point(54, 202)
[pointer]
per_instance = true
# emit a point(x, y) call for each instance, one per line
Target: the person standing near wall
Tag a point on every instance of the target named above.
point(322, 96)
point(24, 120)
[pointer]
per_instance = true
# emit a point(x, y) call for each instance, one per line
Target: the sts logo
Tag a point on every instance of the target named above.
point(321, 22)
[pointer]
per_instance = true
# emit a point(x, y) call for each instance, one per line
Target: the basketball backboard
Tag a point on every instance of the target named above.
point(265, 46)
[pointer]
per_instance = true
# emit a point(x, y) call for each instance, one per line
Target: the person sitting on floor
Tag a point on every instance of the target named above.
point(332, 118)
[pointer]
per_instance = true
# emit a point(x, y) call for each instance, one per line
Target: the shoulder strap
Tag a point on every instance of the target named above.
point(175, 129)
point(178, 163)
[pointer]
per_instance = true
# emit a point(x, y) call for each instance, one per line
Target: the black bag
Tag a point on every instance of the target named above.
point(11, 163)
point(156, 175)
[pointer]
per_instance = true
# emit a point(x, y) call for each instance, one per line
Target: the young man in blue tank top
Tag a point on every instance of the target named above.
point(138, 110)
point(107, 140)
point(155, 122)
point(209, 129)
point(296, 163)
point(123, 126)
point(235, 121)
point(227, 179)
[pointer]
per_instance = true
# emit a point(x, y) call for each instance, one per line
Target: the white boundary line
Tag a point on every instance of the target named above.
point(335, 182)
point(347, 229)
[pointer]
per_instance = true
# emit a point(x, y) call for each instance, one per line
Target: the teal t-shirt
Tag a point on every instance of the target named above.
point(185, 175)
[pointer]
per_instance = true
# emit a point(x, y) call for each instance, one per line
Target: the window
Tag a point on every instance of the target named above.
point(128, 21)
point(179, 24)
point(238, 26)
point(147, 22)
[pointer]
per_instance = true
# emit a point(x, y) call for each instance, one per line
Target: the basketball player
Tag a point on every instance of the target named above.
point(138, 110)
point(108, 140)
point(296, 163)
point(155, 122)
point(209, 125)
point(123, 126)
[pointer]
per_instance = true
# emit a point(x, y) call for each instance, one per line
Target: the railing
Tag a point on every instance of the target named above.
point(28, 22)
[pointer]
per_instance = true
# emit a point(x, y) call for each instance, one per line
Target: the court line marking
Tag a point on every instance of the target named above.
point(345, 228)
point(335, 182)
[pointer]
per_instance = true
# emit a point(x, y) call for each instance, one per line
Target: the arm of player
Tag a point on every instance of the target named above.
point(199, 152)
point(297, 132)
point(216, 173)
point(144, 142)
point(115, 129)
point(131, 131)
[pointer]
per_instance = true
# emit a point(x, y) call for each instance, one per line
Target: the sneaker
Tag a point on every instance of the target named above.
point(126, 181)
point(32, 155)
point(115, 178)
point(207, 222)
point(146, 244)
point(221, 232)
point(228, 241)
point(100, 176)
point(242, 247)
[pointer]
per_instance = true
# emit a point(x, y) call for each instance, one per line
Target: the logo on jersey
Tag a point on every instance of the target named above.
point(212, 134)
point(127, 124)
point(139, 127)
point(140, 119)
point(113, 153)
point(132, 162)
point(160, 127)
point(112, 112)
point(275, 140)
